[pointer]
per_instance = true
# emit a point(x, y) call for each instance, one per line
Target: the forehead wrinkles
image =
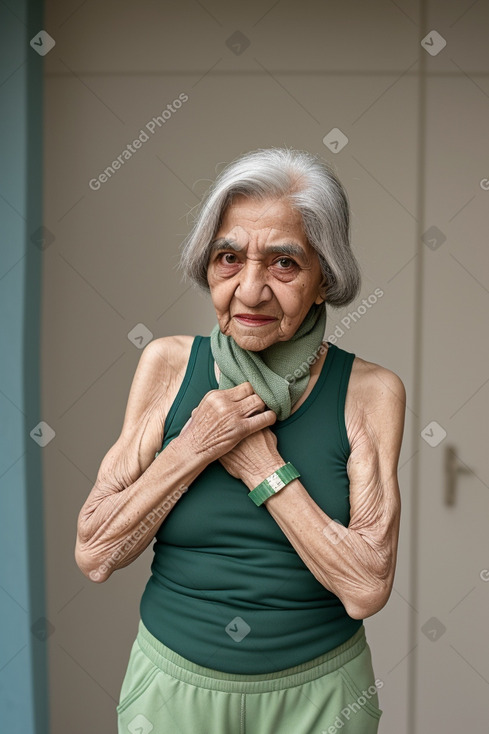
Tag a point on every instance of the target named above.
point(261, 236)
point(255, 228)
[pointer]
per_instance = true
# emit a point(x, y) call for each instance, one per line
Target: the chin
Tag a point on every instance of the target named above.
point(254, 342)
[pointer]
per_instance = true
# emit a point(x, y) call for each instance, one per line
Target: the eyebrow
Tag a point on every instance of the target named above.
point(285, 248)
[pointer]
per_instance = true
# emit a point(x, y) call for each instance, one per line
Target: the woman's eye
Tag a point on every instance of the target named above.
point(286, 262)
point(227, 257)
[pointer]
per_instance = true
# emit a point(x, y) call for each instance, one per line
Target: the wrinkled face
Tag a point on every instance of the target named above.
point(263, 274)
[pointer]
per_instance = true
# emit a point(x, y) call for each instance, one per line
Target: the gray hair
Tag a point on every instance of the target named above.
point(311, 187)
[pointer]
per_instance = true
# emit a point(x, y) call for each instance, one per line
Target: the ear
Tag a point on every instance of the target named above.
point(321, 297)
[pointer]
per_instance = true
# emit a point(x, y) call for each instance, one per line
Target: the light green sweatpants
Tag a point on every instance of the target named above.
point(164, 693)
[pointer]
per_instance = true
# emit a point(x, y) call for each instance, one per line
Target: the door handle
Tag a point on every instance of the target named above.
point(453, 467)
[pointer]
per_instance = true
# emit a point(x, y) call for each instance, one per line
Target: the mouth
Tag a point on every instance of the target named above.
point(254, 319)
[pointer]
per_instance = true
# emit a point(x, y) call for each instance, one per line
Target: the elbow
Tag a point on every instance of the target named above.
point(368, 605)
point(88, 564)
point(356, 611)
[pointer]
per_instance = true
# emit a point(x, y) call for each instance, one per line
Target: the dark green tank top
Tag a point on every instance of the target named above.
point(227, 589)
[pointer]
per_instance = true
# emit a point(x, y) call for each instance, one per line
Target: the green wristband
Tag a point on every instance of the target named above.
point(274, 483)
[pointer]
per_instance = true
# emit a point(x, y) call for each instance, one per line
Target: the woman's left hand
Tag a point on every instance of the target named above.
point(254, 458)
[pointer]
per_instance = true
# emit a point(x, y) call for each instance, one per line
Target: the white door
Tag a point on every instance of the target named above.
point(452, 605)
point(430, 643)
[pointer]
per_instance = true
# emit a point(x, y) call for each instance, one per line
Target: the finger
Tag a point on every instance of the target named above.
point(251, 404)
point(261, 420)
point(240, 391)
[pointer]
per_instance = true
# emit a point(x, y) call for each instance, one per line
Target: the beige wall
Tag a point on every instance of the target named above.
point(310, 67)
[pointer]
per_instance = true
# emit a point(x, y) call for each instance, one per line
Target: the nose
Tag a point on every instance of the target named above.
point(253, 287)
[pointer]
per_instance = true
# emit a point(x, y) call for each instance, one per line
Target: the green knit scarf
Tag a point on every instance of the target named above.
point(267, 370)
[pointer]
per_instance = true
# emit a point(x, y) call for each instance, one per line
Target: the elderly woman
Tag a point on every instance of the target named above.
point(263, 461)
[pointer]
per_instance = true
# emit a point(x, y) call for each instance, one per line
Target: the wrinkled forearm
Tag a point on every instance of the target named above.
point(116, 527)
point(355, 566)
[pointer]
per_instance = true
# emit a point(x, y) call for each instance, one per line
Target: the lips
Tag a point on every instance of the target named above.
point(254, 319)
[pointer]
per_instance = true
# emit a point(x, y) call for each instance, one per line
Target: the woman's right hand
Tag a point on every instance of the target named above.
point(222, 419)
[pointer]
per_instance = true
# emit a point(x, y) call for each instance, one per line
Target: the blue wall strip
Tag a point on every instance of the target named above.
point(23, 649)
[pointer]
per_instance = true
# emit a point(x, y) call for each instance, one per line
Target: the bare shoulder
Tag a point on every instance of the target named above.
point(375, 405)
point(375, 386)
point(167, 361)
point(158, 376)
point(168, 355)
point(157, 379)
